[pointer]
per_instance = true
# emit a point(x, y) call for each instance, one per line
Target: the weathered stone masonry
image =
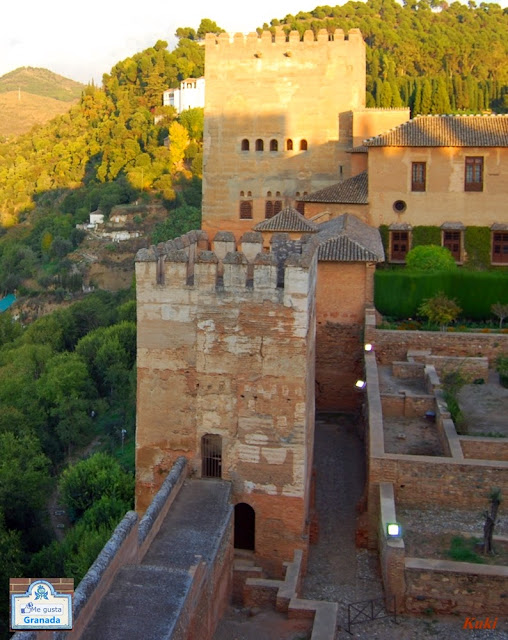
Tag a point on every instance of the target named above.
point(223, 350)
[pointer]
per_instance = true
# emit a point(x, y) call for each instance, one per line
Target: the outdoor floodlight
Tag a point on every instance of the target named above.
point(368, 346)
point(360, 384)
point(393, 530)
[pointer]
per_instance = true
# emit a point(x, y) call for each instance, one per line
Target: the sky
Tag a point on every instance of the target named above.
point(82, 40)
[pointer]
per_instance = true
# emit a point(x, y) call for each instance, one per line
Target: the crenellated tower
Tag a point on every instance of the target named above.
point(225, 361)
point(277, 120)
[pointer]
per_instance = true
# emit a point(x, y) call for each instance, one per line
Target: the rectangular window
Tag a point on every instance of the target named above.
point(399, 245)
point(473, 180)
point(452, 241)
point(245, 209)
point(500, 247)
point(418, 176)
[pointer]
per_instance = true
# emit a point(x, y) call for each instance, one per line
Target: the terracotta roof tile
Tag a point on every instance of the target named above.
point(289, 219)
point(446, 131)
point(351, 191)
point(348, 239)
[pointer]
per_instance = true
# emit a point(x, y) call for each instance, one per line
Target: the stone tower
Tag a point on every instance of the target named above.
point(225, 361)
point(277, 120)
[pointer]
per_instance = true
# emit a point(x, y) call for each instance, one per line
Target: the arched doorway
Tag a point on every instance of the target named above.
point(245, 526)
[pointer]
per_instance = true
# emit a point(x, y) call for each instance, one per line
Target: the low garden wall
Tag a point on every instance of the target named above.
point(445, 587)
point(423, 585)
point(393, 345)
point(478, 448)
point(408, 406)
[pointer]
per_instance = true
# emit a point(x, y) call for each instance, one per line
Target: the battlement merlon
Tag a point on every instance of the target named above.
point(257, 44)
point(188, 263)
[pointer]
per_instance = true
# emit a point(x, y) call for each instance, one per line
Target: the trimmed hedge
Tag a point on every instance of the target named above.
point(400, 293)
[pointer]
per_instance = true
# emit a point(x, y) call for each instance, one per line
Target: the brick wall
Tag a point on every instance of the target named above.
point(210, 593)
point(342, 291)
point(484, 448)
point(394, 345)
point(406, 405)
point(455, 587)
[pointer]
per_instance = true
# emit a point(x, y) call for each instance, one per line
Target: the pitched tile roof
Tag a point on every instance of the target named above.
point(348, 239)
point(446, 131)
point(351, 191)
point(289, 219)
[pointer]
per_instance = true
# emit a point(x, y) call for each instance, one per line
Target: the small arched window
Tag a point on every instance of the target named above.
point(259, 145)
point(303, 145)
point(274, 145)
point(289, 145)
point(268, 194)
point(245, 145)
point(242, 194)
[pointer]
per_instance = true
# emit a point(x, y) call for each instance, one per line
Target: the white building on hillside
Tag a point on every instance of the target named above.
point(190, 94)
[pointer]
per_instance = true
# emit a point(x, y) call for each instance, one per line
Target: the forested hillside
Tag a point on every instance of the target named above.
point(433, 56)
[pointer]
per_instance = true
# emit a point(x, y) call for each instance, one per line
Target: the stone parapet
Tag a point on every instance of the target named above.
point(183, 262)
point(267, 43)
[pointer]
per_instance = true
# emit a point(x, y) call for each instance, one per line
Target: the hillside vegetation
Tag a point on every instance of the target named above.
point(20, 111)
point(41, 82)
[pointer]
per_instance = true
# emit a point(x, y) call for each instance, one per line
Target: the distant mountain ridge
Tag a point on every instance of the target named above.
point(41, 82)
point(31, 95)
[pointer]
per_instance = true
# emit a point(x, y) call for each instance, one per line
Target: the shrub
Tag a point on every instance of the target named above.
point(439, 310)
point(430, 258)
point(500, 311)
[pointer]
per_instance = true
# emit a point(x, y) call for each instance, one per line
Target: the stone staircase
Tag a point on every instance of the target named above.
point(244, 567)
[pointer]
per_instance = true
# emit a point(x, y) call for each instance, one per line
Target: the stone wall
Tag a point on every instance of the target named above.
point(394, 345)
point(210, 591)
point(223, 349)
point(409, 406)
point(421, 585)
point(479, 448)
point(446, 587)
